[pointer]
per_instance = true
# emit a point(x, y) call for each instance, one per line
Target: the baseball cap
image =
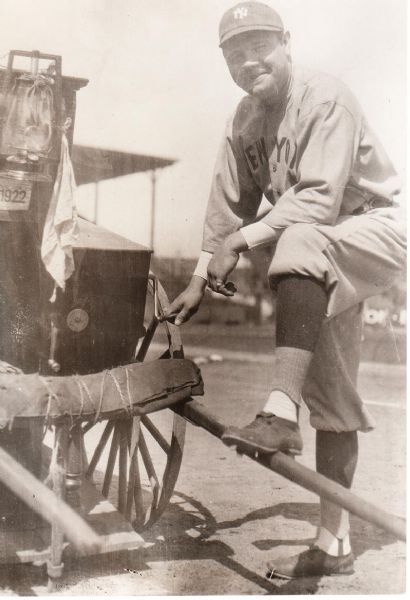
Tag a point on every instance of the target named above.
point(248, 16)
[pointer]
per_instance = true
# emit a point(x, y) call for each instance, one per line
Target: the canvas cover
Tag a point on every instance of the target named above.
point(136, 388)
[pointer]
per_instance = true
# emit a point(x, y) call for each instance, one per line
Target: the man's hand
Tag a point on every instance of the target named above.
point(187, 303)
point(6, 368)
point(223, 262)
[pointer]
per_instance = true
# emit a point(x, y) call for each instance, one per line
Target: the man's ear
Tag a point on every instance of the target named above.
point(286, 42)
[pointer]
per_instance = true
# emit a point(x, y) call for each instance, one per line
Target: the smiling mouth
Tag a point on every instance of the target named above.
point(249, 80)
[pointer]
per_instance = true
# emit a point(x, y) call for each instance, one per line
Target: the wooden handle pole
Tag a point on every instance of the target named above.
point(326, 488)
point(44, 502)
point(286, 466)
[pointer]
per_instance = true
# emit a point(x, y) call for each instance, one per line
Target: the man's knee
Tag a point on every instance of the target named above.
point(300, 251)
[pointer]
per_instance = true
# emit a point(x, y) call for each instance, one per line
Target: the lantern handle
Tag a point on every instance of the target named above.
point(31, 54)
point(35, 56)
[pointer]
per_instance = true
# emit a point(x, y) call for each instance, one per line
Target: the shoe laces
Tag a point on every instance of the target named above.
point(265, 416)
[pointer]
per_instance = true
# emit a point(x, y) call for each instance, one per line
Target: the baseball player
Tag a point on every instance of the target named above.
point(300, 139)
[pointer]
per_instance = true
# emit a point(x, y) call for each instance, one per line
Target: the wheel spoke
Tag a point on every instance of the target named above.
point(149, 466)
point(130, 489)
point(111, 461)
point(137, 490)
point(156, 434)
point(133, 437)
point(174, 461)
point(145, 344)
point(99, 449)
point(123, 428)
point(88, 426)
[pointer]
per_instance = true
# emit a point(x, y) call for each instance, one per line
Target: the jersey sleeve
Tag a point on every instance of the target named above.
point(327, 142)
point(234, 197)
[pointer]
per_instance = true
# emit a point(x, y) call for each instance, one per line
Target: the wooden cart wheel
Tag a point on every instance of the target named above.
point(136, 460)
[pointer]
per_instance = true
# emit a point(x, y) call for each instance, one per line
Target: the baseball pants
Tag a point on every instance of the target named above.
point(358, 257)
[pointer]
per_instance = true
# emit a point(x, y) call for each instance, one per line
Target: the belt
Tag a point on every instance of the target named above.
point(374, 202)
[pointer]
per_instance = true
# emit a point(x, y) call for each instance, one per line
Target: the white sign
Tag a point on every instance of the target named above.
point(14, 194)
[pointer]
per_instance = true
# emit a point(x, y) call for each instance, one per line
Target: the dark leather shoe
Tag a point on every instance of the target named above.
point(266, 434)
point(311, 563)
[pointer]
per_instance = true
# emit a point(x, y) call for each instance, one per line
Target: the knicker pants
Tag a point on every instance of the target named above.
point(358, 257)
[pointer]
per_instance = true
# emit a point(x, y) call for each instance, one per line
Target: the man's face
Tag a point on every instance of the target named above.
point(259, 62)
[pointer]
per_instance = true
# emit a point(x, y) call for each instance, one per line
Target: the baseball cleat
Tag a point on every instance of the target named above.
point(313, 562)
point(265, 435)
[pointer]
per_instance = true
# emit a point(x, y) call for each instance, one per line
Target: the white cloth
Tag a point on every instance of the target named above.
point(201, 269)
point(61, 225)
point(258, 234)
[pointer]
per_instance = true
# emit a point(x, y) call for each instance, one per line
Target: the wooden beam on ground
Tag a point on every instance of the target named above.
point(286, 466)
point(44, 502)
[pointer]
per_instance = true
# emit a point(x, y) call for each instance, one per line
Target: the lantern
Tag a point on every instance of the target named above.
point(30, 124)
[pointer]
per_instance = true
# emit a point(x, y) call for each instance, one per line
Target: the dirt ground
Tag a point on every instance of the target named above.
point(228, 515)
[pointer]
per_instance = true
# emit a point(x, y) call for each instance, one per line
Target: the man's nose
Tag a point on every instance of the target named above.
point(250, 62)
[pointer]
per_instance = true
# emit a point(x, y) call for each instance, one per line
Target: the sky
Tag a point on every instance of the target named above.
point(158, 85)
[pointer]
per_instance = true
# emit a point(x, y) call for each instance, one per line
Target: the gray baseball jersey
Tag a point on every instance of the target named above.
point(333, 218)
point(314, 158)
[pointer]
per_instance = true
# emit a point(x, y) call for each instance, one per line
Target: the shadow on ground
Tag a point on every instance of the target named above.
point(185, 532)
point(177, 544)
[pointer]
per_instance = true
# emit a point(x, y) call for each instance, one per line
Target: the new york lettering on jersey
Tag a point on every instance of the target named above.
point(272, 162)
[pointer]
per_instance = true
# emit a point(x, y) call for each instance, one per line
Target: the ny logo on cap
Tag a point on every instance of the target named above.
point(240, 13)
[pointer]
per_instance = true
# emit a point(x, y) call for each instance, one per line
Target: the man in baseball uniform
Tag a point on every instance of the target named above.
point(300, 139)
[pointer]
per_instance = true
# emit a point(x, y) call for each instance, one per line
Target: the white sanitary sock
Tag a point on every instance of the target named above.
point(282, 406)
point(332, 545)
